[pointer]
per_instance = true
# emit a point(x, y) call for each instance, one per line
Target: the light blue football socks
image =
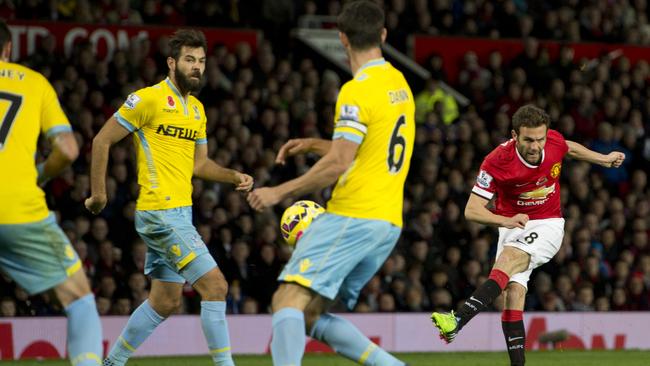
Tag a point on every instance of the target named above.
point(288, 343)
point(350, 343)
point(84, 332)
point(140, 325)
point(215, 328)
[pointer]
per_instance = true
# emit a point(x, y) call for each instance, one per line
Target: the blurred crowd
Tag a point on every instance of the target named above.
point(257, 99)
point(624, 21)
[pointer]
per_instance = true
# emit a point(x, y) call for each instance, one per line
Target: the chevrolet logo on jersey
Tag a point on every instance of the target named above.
point(178, 132)
point(538, 194)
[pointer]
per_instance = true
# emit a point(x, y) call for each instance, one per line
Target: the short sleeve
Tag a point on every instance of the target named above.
point(351, 120)
point(485, 185)
point(53, 119)
point(136, 112)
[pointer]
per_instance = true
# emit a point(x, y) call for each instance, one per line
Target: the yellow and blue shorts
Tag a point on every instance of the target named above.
point(338, 255)
point(37, 255)
point(176, 252)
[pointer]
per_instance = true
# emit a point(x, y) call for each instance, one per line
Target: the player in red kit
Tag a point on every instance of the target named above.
point(524, 174)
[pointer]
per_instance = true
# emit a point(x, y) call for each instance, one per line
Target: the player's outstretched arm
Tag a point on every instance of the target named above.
point(206, 168)
point(324, 173)
point(301, 146)
point(579, 152)
point(111, 133)
point(64, 151)
point(476, 210)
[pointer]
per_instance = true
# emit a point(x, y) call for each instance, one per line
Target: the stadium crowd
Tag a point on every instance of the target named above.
point(619, 21)
point(257, 99)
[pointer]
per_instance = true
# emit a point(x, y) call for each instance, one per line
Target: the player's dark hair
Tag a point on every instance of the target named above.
point(5, 34)
point(530, 116)
point(191, 38)
point(362, 21)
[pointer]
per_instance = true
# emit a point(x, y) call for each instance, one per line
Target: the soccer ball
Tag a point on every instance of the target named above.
point(297, 218)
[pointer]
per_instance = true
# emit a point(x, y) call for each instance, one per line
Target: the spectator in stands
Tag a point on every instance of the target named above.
point(7, 307)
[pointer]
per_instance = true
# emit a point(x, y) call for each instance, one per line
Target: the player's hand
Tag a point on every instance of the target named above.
point(517, 221)
point(262, 198)
point(245, 182)
point(614, 159)
point(291, 148)
point(95, 204)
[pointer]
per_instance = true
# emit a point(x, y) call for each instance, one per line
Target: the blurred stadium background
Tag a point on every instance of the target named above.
point(273, 72)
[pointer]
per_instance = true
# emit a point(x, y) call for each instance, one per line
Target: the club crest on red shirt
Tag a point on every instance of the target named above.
point(555, 170)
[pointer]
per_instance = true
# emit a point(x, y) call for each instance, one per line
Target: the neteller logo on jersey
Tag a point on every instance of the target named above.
point(178, 132)
point(131, 101)
point(484, 179)
point(536, 197)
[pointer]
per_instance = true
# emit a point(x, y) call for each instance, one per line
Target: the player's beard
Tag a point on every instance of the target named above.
point(188, 85)
point(526, 156)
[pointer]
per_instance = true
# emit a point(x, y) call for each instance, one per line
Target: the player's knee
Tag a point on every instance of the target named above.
point(512, 261)
point(516, 291)
point(212, 287)
point(282, 298)
point(73, 288)
point(290, 295)
point(166, 306)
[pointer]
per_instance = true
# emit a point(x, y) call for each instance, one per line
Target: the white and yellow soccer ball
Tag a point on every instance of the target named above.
point(297, 218)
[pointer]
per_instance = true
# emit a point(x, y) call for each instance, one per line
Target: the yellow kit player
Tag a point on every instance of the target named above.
point(168, 124)
point(368, 158)
point(34, 251)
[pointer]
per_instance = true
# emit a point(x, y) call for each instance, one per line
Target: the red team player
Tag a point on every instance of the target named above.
point(524, 174)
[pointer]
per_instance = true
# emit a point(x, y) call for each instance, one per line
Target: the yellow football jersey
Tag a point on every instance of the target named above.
point(376, 110)
point(28, 107)
point(166, 128)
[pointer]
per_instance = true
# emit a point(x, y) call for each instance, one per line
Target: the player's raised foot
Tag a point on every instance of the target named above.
point(447, 324)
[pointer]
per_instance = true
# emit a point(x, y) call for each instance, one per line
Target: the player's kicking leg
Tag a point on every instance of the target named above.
point(511, 261)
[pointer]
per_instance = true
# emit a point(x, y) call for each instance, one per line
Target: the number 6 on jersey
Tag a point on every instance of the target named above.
point(397, 147)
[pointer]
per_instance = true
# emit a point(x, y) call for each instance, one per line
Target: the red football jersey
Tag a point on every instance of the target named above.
point(521, 187)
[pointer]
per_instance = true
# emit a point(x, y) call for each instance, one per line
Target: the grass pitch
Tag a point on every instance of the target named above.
point(538, 358)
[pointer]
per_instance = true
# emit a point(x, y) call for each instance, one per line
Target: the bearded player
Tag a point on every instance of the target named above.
point(170, 140)
point(524, 174)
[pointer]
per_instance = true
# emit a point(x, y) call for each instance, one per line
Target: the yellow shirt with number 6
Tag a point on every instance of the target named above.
point(376, 110)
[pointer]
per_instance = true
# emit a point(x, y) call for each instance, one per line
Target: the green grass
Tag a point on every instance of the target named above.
point(541, 358)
